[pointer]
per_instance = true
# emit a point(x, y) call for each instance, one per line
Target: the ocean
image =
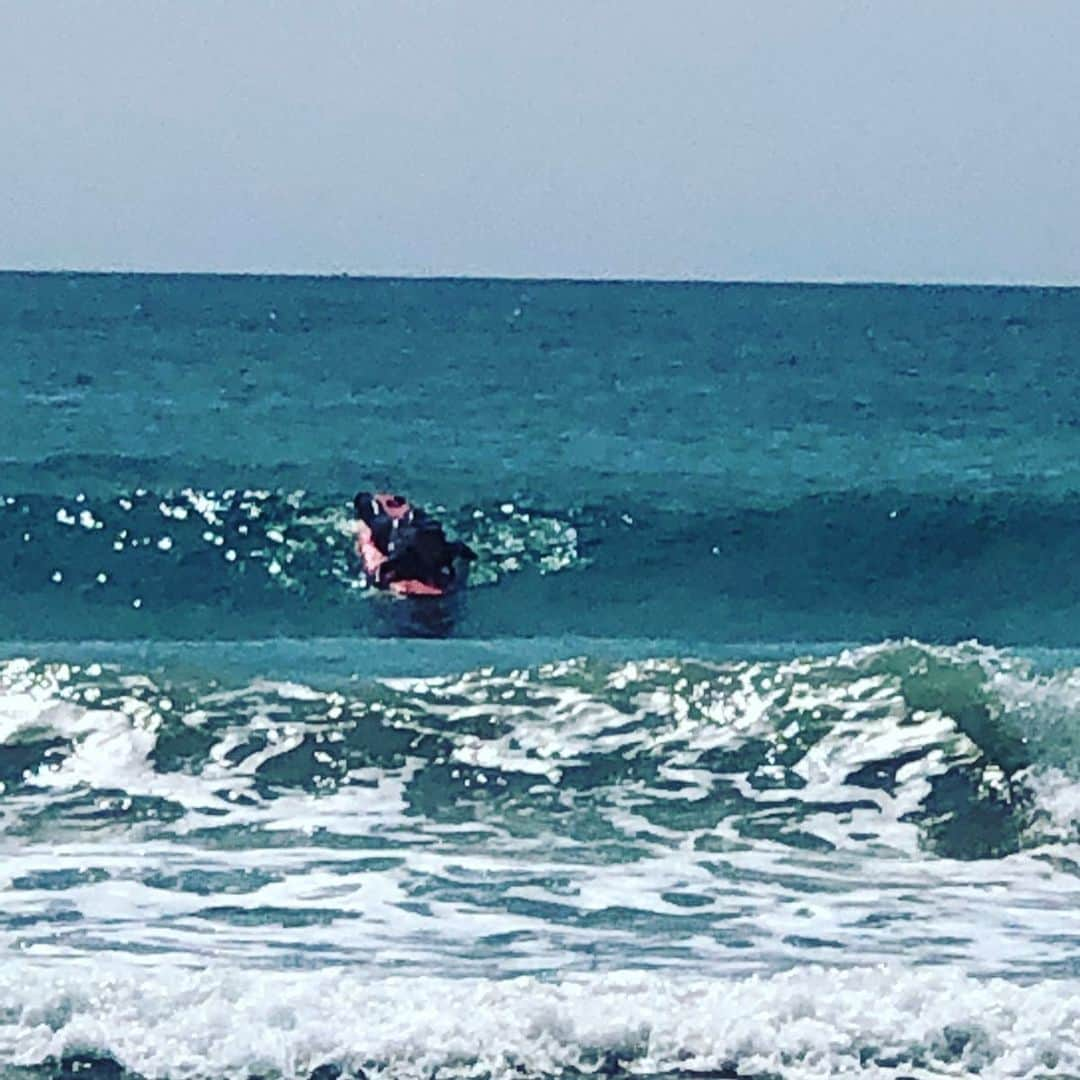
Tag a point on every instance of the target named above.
point(751, 749)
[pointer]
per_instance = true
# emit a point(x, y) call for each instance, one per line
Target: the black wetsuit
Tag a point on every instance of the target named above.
point(415, 544)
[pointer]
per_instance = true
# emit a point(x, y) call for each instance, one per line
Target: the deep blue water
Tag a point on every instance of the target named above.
point(751, 747)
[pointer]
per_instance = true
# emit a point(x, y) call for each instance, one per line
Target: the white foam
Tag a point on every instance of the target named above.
point(811, 1022)
point(1057, 805)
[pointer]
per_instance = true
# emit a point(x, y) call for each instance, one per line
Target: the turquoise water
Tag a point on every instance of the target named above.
point(752, 747)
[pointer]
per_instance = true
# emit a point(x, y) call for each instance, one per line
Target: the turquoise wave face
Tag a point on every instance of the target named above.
point(229, 563)
point(252, 563)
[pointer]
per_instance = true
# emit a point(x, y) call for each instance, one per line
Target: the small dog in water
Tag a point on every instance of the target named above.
point(403, 550)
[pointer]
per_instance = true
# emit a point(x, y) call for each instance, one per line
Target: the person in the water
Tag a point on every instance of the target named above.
point(404, 550)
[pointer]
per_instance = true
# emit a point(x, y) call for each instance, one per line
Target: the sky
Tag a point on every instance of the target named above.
point(928, 140)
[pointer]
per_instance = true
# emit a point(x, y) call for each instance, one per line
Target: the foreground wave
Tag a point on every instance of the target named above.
point(895, 720)
point(863, 861)
point(868, 1021)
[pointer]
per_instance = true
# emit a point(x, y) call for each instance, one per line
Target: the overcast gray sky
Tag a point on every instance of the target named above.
point(925, 140)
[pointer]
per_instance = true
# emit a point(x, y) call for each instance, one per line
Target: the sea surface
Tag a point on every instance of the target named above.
point(751, 749)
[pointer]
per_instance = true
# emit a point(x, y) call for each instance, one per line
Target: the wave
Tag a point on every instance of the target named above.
point(204, 562)
point(210, 564)
point(211, 1023)
point(964, 750)
point(708, 817)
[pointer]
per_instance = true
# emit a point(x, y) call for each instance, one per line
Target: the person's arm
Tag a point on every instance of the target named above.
point(369, 553)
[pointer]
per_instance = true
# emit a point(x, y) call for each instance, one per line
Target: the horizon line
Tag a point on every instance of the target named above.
point(532, 279)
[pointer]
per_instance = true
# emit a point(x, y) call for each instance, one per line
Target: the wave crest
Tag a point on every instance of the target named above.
point(958, 749)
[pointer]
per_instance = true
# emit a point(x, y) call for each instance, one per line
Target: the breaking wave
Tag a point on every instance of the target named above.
point(879, 1022)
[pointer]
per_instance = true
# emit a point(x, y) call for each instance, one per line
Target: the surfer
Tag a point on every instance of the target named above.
point(404, 550)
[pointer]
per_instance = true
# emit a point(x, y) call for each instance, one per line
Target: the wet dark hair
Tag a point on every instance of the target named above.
point(364, 506)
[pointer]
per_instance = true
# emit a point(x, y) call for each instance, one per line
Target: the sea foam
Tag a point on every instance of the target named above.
point(810, 1022)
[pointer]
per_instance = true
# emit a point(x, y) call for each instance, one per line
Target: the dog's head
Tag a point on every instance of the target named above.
point(367, 506)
